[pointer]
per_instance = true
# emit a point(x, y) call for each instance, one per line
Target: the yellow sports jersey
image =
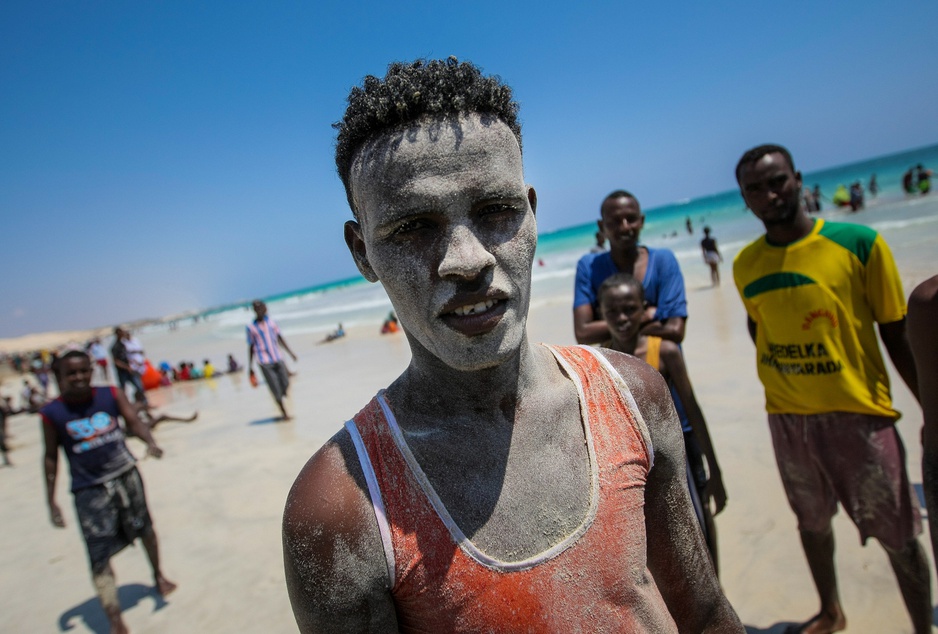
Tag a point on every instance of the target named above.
point(814, 303)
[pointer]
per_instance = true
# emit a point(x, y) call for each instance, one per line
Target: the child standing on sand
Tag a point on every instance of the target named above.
point(622, 303)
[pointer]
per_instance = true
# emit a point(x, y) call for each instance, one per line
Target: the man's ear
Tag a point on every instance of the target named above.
point(356, 246)
point(532, 199)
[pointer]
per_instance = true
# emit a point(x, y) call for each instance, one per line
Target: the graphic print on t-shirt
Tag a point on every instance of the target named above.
point(92, 432)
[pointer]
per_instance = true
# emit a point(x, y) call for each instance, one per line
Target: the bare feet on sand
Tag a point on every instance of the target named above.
point(164, 586)
point(821, 623)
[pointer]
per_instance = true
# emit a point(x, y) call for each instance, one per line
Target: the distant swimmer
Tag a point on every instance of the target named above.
point(264, 341)
point(923, 179)
point(813, 313)
point(841, 196)
point(810, 201)
point(909, 185)
point(338, 333)
point(600, 245)
point(711, 255)
point(817, 198)
point(873, 187)
point(923, 337)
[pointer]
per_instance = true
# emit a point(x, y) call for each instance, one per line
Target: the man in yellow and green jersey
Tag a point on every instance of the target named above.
point(816, 293)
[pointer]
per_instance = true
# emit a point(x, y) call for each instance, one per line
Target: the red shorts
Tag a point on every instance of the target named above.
point(102, 362)
point(856, 459)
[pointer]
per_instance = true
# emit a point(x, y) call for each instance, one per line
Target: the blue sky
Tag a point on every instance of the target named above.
point(164, 156)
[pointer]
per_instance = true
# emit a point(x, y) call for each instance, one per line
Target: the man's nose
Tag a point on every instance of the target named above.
point(464, 255)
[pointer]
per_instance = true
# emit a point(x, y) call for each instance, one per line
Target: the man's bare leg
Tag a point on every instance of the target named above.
point(819, 551)
point(162, 418)
point(163, 585)
point(106, 586)
point(911, 567)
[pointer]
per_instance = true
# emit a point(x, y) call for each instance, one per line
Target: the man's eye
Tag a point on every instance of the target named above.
point(778, 181)
point(408, 226)
point(496, 209)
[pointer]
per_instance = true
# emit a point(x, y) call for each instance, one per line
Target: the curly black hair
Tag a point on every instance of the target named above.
point(753, 155)
point(411, 90)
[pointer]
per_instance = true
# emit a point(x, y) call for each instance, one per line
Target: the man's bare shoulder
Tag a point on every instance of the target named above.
point(326, 489)
point(925, 295)
point(330, 541)
point(646, 384)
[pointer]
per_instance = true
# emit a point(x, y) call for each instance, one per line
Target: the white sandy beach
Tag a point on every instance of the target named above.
point(217, 495)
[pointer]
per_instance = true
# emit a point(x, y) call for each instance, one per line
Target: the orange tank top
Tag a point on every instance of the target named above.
point(594, 580)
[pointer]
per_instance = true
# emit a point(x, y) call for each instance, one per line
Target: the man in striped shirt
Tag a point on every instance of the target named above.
point(264, 341)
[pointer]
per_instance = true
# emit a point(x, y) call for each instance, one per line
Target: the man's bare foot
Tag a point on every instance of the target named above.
point(117, 624)
point(821, 623)
point(286, 417)
point(164, 586)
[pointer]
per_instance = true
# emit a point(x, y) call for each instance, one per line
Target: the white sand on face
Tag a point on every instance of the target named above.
point(217, 495)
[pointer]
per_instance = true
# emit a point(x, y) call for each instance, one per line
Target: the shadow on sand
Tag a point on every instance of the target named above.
point(778, 628)
point(266, 421)
point(92, 615)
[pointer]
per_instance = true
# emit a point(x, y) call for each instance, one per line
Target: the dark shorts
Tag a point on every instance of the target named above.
point(112, 515)
point(856, 459)
point(275, 374)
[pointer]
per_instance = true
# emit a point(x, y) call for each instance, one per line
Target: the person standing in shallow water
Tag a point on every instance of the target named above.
point(711, 256)
point(815, 293)
point(429, 509)
point(109, 497)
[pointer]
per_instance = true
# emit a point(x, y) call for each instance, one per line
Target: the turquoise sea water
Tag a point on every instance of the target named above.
point(355, 302)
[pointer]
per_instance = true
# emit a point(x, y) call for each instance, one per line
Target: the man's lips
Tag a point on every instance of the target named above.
point(474, 315)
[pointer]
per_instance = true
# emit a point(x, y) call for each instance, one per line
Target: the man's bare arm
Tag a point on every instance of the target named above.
point(677, 555)
point(671, 329)
point(923, 337)
point(673, 360)
point(283, 342)
point(136, 426)
point(896, 341)
point(336, 570)
point(587, 328)
point(50, 468)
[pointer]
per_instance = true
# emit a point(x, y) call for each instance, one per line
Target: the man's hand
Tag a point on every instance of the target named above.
point(153, 450)
point(717, 492)
point(293, 355)
point(55, 515)
point(649, 314)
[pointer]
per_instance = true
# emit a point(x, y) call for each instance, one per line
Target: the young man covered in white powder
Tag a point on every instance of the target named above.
point(496, 485)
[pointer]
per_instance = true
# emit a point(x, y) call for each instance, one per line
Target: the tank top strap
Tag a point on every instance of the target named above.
point(612, 410)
